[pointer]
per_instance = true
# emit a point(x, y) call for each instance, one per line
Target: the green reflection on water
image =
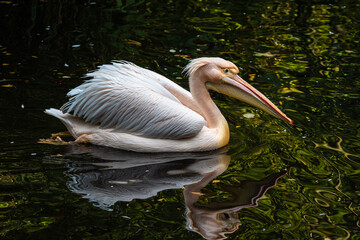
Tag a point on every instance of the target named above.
point(304, 55)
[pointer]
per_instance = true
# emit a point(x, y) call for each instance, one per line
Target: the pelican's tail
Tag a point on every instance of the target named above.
point(73, 124)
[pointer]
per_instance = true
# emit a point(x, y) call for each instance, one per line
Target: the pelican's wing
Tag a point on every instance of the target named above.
point(128, 98)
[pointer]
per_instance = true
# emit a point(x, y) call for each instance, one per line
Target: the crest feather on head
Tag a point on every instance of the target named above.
point(197, 63)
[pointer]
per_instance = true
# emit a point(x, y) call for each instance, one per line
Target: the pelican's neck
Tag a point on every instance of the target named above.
point(201, 95)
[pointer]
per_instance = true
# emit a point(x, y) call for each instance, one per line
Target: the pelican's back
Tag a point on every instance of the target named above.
point(127, 98)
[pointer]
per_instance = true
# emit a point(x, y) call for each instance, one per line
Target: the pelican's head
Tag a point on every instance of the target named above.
point(222, 76)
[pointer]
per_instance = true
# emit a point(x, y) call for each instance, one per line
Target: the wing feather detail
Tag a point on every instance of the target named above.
point(128, 98)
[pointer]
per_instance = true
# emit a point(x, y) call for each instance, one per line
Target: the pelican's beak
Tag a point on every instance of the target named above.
point(238, 88)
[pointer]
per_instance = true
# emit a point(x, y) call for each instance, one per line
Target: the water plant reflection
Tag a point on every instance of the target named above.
point(112, 175)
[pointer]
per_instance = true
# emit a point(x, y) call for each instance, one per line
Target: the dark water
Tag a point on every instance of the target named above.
point(274, 181)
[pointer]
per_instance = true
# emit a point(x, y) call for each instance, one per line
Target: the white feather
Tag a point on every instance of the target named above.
point(207, 139)
point(127, 98)
point(196, 64)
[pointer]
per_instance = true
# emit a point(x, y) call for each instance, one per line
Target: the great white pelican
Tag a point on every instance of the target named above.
point(128, 107)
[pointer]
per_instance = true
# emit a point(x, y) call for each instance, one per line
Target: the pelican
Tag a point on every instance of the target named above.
point(128, 107)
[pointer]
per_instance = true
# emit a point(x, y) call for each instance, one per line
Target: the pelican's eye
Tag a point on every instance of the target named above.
point(228, 72)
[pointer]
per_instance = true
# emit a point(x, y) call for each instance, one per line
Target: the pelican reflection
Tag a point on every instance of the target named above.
point(112, 175)
point(215, 219)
